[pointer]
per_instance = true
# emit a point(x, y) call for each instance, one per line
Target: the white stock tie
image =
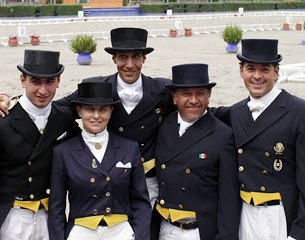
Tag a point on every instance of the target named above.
point(256, 108)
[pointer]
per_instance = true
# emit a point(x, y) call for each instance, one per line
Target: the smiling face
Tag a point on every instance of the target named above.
point(259, 79)
point(129, 65)
point(95, 118)
point(191, 102)
point(40, 91)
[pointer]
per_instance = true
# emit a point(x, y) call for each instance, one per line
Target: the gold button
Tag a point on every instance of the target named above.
point(241, 168)
point(142, 127)
point(267, 154)
point(163, 166)
point(95, 212)
point(242, 185)
point(30, 179)
point(121, 129)
point(48, 191)
point(162, 183)
point(187, 171)
point(92, 180)
point(142, 144)
point(180, 206)
point(30, 163)
point(32, 196)
point(107, 194)
point(265, 172)
point(263, 189)
point(142, 159)
point(108, 210)
point(240, 151)
point(183, 189)
point(107, 178)
point(94, 196)
point(162, 202)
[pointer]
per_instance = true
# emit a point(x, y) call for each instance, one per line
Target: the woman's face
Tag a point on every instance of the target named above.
point(95, 118)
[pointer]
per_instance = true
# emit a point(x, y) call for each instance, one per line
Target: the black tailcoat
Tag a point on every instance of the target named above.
point(272, 153)
point(73, 171)
point(198, 172)
point(25, 154)
point(142, 124)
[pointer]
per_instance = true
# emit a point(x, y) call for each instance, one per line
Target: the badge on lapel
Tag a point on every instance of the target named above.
point(202, 156)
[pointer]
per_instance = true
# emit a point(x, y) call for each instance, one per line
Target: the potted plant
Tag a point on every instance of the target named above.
point(13, 41)
point(232, 35)
point(84, 45)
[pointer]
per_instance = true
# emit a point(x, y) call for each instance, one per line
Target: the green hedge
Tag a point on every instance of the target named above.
point(39, 10)
point(218, 6)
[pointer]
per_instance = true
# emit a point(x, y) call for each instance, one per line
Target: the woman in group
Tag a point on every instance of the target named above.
point(103, 176)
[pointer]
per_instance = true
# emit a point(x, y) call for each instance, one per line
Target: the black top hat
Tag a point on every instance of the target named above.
point(128, 39)
point(190, 76)
point(94, 93)
point(259, 51)
point(41, 64)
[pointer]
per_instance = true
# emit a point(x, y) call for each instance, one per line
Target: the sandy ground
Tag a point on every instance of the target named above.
point(203, 48)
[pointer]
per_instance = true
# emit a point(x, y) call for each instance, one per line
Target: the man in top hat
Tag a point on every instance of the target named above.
point(269, 130)
point(144, 100)
point(196, 165)
point(103, 174)
point(27, 137)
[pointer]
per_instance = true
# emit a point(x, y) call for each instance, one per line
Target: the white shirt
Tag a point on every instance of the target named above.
point(38, 115)
point(97, 143)
point(130, 94)
point(257, 106)
point(185, 125)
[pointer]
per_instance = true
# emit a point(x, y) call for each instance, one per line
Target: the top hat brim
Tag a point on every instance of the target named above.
point(176, 86)
point(41, 75)
point(262, 61)
point(94, 101)
point(114, 50)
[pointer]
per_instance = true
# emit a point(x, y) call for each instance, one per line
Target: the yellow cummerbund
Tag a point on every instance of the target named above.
point(32, 205)
point(92, 222)
point(258, 197)
point(174, 214)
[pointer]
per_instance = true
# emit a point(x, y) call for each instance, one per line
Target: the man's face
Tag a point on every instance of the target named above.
point(129, 65)
point(259, 79)
point(191, 102)
point(94, 118)
point(40, 91)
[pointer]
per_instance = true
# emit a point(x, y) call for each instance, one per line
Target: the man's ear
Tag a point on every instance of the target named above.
point(78, 110)
point(113, 58)
point(22, 79)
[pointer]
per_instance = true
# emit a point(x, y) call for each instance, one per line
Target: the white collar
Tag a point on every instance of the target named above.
point(92, 138)
point(269, 97)
point(132, 86)
point(187, 124)
point(31, 109)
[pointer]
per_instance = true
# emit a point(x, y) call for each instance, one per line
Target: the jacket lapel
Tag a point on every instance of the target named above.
point(24, 125)
point(113, 151)
point(51, 132)
point(276, 110)
point(199, 130)
point(151, 98)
